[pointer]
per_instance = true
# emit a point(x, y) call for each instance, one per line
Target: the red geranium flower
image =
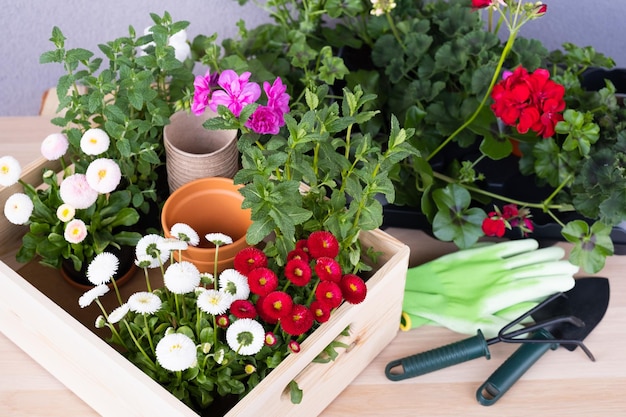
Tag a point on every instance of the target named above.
point(328, 269)
point(248, 259)
point(243, 309)
point(298, 321)
point(321, 311)
point(494, 225)
point(277, 304)
point(481, 4)
point(298, 272)
point(322, 243)
point(329, 293)
point(353, 288)
point(262, 281)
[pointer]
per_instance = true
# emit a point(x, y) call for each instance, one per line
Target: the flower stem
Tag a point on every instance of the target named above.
point(496, 74)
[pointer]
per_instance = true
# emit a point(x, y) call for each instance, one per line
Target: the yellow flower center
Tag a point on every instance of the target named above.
point(102, 173)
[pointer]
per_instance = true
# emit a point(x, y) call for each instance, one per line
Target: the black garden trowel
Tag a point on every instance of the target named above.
point(563, 319)
point(587, 301)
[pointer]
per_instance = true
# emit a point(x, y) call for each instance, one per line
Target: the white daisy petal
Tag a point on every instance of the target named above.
point(118, 314)
point(172, 244)
point(234, 283)
point(103, 175)
point(144, 302)
point(176, 352)
point(214, 302)
point(245, 336)
point(18, 208)
point(151, 245)
point(185, 233)
point(10, 171)
point(94, 141)
point(219, 239)
point(181, 277)
point(87, 298)
point(102, 268)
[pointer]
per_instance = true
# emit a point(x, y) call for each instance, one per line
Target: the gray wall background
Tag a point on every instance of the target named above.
point(26, 27)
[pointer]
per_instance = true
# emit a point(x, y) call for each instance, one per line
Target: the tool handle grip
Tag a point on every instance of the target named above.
point(513, 368)
point(439, 358)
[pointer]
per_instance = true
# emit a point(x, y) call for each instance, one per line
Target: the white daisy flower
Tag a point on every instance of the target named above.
point(176, 352)
point(151, 245)
point(54, 146)
point(103, 175)
point(172, 244)
point(100, 322)
point(214, 302)
point(18, 208)
point(218, 239)
point(65, 212)
point(219, 356)
point(245, 336)
point(10, 171)
point(75, 231)
point(118, 314)
point(144, 302)
point(181, 277)
point(234, 283)
point(94, 141)
point(87, 298)
point(76, 192)
point(144, 261)
point(207, 278)
point(102, 268)
point(185, 233)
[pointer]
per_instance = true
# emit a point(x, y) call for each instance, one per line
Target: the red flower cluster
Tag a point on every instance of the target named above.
point(312, 262)
point(529, 101)
point(496, 222)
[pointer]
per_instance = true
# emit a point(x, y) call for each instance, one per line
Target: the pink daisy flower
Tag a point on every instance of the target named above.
point(76, 192)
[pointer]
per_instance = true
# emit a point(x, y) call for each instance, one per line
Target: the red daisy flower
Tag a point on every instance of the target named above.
point(277, 304)
point(298, 272)
point(302, 245)
point(329, 293)
point(298, 253)
point(298, 321)
point(321, 311)
point(243, 309)
point(270, 339)
point(294, 346)
point(262, 313)
point(223, 321)
point(248, 259)
point(323, 243)
point(328, 269)
point(353, 288)
point(262, 281)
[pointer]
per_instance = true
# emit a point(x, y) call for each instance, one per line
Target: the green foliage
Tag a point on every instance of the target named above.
point(344, 174)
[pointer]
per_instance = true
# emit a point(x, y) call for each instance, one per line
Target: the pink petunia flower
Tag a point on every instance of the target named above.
point(76, 192)
point(203, 85)
point(265, 120)
point(277, 98)
point(238, 92)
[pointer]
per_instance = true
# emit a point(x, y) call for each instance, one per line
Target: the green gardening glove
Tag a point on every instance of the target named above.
point(484, 287)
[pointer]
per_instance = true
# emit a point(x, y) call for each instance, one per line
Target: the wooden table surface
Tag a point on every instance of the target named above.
point(562, 383)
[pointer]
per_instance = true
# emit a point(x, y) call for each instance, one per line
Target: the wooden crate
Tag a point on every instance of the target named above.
point(39, 312)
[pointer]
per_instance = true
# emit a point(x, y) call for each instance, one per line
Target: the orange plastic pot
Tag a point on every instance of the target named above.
point(209, 205)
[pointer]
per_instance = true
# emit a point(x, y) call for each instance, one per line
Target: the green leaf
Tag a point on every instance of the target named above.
point(295, 393)
point(591, 244)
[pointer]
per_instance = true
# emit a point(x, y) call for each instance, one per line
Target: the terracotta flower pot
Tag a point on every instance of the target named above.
point(193, 152)
point(209, 205)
